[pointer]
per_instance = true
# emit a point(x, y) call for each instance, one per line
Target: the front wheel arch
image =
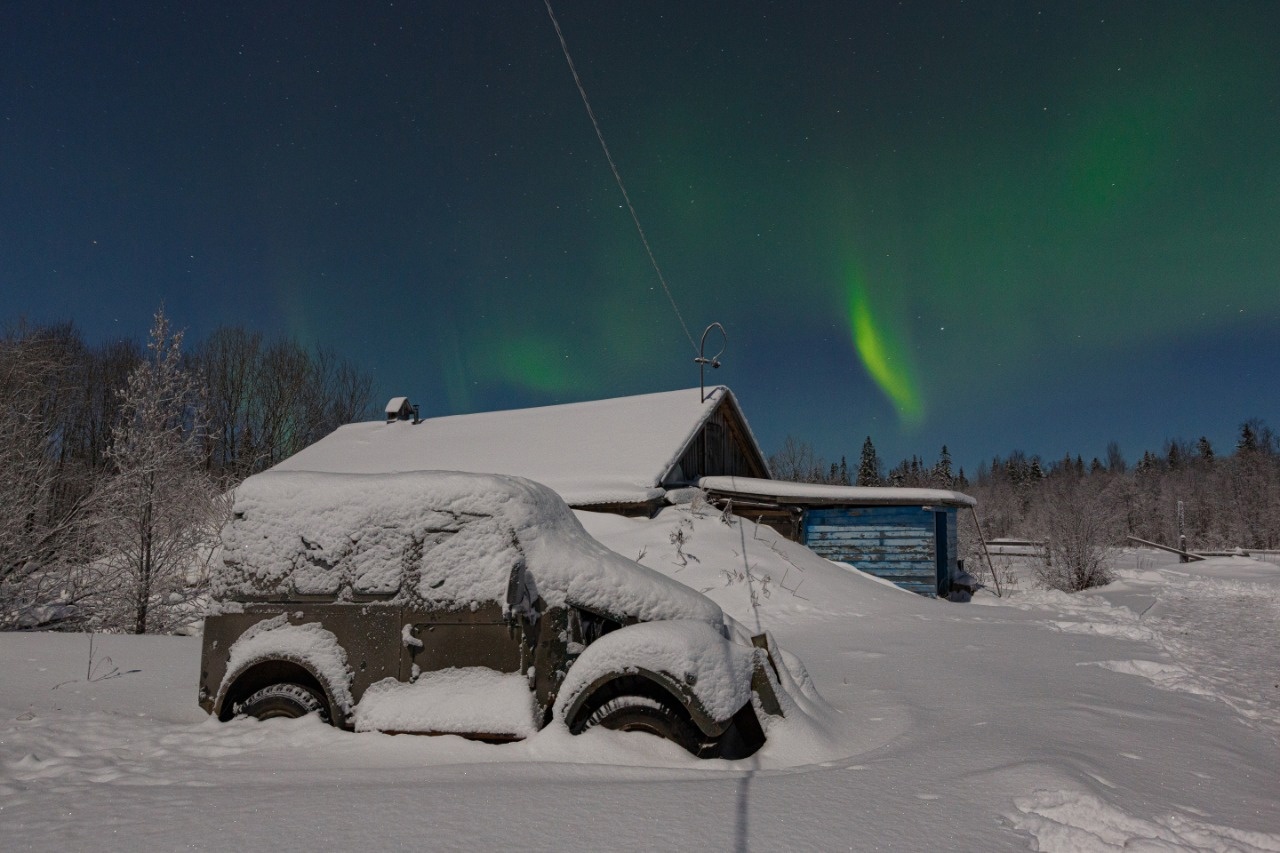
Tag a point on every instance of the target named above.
point(641, 682)
point(659, 717)
point(636, 703)
point(662, 712)
point(602, 690)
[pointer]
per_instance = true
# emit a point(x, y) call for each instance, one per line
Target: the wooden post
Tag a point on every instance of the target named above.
point(1182, 539)
point(983, 539)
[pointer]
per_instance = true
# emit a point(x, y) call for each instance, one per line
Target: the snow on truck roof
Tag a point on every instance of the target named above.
point(448, 538)
point(818, 493)
point(595, 452)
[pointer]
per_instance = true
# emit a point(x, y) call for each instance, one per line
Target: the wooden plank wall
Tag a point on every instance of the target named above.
point(898, 543)
point(719, 449)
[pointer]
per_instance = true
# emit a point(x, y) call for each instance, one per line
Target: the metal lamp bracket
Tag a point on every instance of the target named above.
point(702, 361)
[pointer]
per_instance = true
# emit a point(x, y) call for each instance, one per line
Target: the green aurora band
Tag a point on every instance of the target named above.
point(883, 356)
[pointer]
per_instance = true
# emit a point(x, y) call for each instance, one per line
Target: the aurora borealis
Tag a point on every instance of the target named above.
point(886, 363)
point(996, 225)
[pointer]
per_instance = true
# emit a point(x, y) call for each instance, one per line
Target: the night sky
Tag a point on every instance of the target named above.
point(992, 225)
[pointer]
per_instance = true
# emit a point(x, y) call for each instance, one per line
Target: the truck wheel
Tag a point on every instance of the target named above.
point(645, 714)
point(284, 700)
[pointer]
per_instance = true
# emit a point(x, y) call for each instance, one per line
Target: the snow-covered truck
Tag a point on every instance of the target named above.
point(450, 603)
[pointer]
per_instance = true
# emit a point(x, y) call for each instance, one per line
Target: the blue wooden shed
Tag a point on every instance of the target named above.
point(907, 536)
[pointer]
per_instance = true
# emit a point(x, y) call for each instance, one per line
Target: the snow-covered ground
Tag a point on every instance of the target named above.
point(1142, 716)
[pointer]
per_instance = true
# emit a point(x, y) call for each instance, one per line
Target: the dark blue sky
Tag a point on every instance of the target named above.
point(994, 225)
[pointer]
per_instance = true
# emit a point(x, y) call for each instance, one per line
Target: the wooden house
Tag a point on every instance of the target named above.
point(620, 455)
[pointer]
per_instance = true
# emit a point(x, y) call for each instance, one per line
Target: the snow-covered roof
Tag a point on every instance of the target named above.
point(395, 404)
point(597, 452)
point(817, 493)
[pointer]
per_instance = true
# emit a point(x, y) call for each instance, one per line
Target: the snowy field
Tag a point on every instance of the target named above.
point(1144, 716)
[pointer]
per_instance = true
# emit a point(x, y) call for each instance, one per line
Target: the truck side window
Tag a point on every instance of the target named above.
point(586, 627)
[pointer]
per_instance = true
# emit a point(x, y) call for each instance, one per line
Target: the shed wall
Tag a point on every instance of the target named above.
point(911, 546)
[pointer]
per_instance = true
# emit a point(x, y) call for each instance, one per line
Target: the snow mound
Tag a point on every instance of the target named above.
point(1177, 610)
point(1071, 821)
point(758, 576)
point(949, 727)
point(457, 699)
point(1167, 676)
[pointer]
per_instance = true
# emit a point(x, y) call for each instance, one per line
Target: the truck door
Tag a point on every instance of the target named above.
point(435, 640)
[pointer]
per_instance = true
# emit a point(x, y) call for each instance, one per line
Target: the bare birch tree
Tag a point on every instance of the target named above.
point(268, 401)
point(1079, 522)
point(228, 361)
point(797, 462)
point(164, 512)
point(39, 536)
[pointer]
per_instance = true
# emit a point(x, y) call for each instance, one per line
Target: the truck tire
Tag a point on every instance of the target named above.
point(649, 714)
point(288, 701)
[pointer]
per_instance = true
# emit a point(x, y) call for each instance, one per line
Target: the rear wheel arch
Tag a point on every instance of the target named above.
point(289, 700)
point(266, 673)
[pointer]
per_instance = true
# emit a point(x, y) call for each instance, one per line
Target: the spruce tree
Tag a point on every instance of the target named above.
point(1248, 439)
point(1115, 460)
point(869, 466)
point(942, 475)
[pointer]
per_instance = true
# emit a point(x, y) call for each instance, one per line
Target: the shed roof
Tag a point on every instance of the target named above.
point(597, 452)
point(812, 494)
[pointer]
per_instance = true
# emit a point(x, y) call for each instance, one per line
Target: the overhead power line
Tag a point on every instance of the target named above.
point(617, 176)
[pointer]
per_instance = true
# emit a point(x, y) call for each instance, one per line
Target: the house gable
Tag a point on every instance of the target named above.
point(721, 445)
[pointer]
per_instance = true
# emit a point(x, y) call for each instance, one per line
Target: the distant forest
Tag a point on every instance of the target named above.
point(115, 460)
point(1216, 498)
